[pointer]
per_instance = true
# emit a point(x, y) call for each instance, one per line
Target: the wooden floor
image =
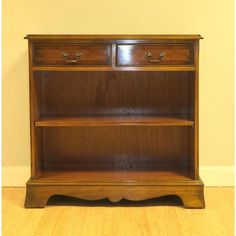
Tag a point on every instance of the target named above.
point(76, 217)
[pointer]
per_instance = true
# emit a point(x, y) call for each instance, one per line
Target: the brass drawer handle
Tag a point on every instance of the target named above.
point(148, 56)
point(66, 57)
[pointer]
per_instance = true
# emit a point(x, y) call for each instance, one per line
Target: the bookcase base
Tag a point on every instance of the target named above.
point(190, 192)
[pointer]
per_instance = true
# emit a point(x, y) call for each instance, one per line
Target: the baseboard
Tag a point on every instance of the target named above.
point(211, 176)
point(217, 175)
point(15, 176)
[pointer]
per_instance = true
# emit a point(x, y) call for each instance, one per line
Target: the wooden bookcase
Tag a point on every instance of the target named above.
point(114, 116)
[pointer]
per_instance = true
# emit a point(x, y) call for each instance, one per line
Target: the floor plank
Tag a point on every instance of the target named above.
point(72, 217)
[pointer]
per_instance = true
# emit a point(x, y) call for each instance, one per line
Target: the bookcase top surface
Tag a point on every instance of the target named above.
point(115, 36)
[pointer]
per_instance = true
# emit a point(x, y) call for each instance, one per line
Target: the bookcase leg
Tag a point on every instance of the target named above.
point(34, 198)
point(193, 200)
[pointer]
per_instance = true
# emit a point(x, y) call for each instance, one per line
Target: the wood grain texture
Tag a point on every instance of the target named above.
point(196, 112)
point(115, 68)
point(35, 90)
point(160, 217)
point(93, 55)
point(115, 148)
point(116, 93)
point(118, 177)
point(111, 121)
point(115, 36)
point(191, 195)
point(174, 54)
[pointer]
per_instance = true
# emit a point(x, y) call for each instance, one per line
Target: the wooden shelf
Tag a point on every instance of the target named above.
point(111, 121)
point(95, 176)
point(110, 68)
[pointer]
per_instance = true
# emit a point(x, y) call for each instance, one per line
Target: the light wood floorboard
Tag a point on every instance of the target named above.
point(79, 218)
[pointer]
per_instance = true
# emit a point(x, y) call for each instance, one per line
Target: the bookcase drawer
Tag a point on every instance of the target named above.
point(72, 54)
point(154, 54)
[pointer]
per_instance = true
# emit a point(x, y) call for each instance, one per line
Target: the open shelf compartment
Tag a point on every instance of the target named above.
point(74, 176)
point(120, 126)
point(114, 97)
point(117, 153)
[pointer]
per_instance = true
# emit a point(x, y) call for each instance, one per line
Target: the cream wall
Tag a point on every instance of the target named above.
point(212, 19)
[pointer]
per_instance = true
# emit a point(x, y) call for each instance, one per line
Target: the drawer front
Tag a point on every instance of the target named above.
point(155, 54)
point(72, 55)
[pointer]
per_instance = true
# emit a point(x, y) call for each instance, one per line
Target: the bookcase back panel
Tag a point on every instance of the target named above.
point(116, 148)
point(116, 93)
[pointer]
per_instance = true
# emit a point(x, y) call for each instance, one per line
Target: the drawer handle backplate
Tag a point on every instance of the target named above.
point(66, 57)
point(148, 56)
